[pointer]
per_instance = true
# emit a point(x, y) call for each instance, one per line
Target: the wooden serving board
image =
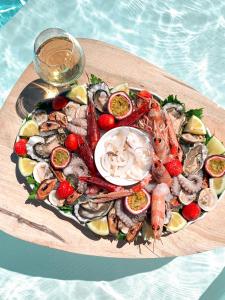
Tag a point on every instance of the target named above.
point(37, 223)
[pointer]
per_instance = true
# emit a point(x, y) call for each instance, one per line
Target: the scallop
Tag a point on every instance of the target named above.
point(42, 171)
point(195, 159)
point(207, 199)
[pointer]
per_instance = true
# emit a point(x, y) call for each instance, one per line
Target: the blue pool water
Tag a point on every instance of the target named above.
point(187, 38)
point(8, 8)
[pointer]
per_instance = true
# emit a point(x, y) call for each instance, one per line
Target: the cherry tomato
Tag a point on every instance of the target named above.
point(64, 190)
point(20, 147)
point(59, 102)
point(72, 141)
point(144, 94)
point(106, 121)
point(174, 167)
point(191, 211)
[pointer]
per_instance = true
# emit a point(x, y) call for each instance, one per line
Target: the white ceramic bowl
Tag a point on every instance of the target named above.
point(100, 150)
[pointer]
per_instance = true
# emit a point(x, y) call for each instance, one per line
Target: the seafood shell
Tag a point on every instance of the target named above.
point(177, 116)
point(40, 116)
point(207, 199)
point(30, 147)
point(99, 94)
point(186, 198)
point(42, 171)
point(86, 211)
point(54, 200)
point(192, 138)
point(194, 159)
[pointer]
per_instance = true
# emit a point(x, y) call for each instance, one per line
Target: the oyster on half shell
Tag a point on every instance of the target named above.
point(86, 211)
point(194, 159)
point(177, 116)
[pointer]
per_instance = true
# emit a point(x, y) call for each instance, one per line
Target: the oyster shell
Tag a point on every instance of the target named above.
point(177, 116)
point(40, 116)
point(99, 93)
point(44, 150)
point(54, 200)
point(86, 211)
point(192, 138)
point(36, 139)
point(194, 159)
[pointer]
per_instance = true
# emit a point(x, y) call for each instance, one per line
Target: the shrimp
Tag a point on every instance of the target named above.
point(158, 208)
point(160, 173)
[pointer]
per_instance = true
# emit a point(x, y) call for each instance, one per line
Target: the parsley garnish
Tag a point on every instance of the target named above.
point(195, 112)
point(207, 137)
point(121, 236)
point(66, 208)
point(133, 95)
point(94, 79)
point(172, 99)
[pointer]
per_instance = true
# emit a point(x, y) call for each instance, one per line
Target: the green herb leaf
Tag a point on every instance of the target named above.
point(207, 137)
point(94, 79)
point(195, 112)
point(133, 95)
point(121, 236)
point(172, 99)
point(32, 195)
point(66, 208)
point(30, 179)
point(28, 118)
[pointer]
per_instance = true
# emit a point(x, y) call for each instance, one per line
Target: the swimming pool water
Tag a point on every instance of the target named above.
point(8, 8)
point(184, 37)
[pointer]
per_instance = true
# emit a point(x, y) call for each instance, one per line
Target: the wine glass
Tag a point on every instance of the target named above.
point(58, 57)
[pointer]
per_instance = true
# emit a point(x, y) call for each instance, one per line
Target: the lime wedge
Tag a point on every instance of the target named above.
point(177, 222)
point(123, 87)
point(78, 93)
point(99, 226)
point(195, 126)
point(215, 146)
point(217, 184)
point(30, 128)
point(26, 166)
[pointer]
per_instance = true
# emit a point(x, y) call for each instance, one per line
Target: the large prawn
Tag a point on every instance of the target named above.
point(93, 133)
point(158, 208)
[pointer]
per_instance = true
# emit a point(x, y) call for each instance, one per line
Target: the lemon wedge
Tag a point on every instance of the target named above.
point(26, 166)
point(123, 87)
point(217, 184)
point(195, 126)
point(215, 146)
point(99, 226)
point(177, 222)
point(78, 93)
point(30, 128)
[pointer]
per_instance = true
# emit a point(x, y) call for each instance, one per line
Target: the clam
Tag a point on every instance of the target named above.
point(86, 211)
point(207, 199)
point(30, 147)
point(177, 116)
point(195, 159)
point(186, 198)
point(99, 93)
point(54, 200)
point(40, 116)
point(192, 138)
point(42, 171)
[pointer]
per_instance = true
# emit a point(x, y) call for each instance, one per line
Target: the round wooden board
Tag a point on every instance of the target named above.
point(36, 223)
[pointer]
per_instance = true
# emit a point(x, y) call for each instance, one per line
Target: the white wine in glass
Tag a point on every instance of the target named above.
point(58, 57)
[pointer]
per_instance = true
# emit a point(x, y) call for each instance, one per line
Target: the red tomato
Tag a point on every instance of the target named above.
point(144, 94)
point(20, 147)
point(64, 190)
point(71, 142)
point(191, 211)
point(174, 167)
point(106, 121)
point(59, 102)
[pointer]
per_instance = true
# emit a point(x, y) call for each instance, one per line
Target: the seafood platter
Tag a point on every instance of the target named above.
point(121, 161)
